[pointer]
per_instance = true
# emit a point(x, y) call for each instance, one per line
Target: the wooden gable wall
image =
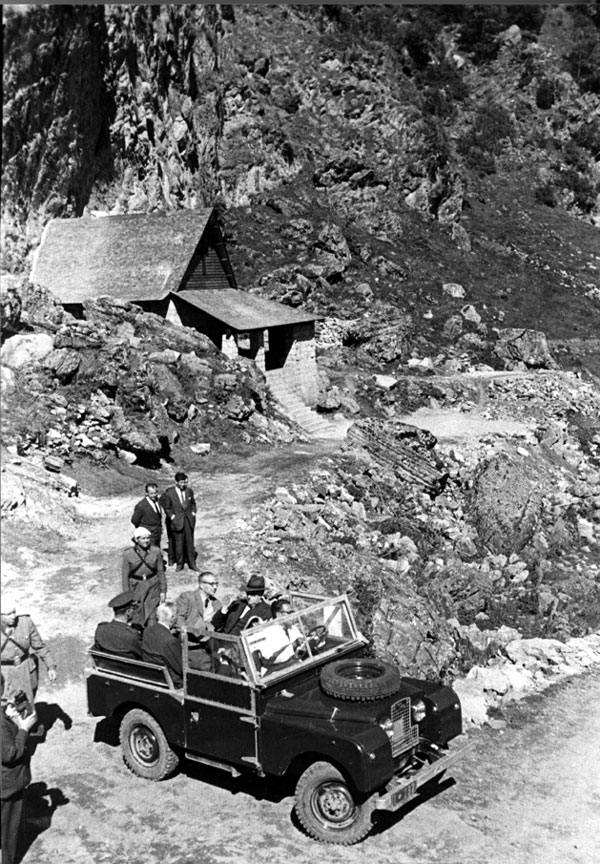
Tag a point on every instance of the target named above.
point(209, 267)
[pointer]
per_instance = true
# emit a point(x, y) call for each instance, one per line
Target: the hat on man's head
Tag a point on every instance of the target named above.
point(121, 601)
point(140, 533)
point(255, 584)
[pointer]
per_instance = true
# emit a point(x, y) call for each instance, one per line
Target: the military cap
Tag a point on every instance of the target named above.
point(121, 601)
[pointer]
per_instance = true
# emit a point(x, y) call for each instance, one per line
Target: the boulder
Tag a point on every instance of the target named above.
point(22, 349)
point(63, 363)
point(385, 382)
point(238, 409)
point(516, 345)
point(453, 289)
point(7, 380)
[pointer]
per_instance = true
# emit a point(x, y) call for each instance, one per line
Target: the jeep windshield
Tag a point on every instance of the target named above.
point(318, 629)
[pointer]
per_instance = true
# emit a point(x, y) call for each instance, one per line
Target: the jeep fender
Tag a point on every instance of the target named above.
point(362, 752)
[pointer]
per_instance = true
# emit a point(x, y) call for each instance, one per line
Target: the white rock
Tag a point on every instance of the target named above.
point(25, 348)
point(386, 382)
point(7, 379)
point(472, 700)
point(453, 289)
point(282, 494)
point(127, 456)
point(200, 449)
point(470, 313)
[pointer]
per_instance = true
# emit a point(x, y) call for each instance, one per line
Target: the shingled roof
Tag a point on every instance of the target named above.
point(135, 257)
point(242, 311)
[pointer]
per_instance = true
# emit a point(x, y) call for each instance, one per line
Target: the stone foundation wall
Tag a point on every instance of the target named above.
point(300, 368)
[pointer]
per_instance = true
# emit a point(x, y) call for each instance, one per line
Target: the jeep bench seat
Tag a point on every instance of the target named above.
point(138, 670)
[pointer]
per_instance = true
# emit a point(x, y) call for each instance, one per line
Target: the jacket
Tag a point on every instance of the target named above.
point(190, 613)
point(16, 774)
point(117, 637)
point(177, 514)
point(161, 647)
point(145, 515)
point(239, 616)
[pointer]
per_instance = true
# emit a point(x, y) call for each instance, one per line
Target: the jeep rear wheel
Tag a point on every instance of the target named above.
point(360, 679)
point(327, 808)
point(146, 751)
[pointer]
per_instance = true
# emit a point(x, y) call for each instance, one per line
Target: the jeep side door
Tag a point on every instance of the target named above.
point(220, 708)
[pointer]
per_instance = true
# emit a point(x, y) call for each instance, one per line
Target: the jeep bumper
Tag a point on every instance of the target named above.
point(401, 789)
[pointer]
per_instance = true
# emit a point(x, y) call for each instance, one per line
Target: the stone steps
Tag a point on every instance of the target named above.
point(313, 423)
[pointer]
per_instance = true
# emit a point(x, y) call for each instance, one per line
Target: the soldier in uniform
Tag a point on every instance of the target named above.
point(143, 572)
point(21, 648)
point(117, 636)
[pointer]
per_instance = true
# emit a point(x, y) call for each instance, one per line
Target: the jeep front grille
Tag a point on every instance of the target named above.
point(405, 734)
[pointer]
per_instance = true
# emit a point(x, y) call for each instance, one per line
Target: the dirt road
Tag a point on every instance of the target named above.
point(525, 795)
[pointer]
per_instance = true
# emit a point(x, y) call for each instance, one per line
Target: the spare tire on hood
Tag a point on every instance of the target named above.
point(360, 679)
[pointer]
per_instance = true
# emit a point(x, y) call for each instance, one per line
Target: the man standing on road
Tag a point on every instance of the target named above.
point(117, 636)
point(21, 647)
point(160, 646)
point(143, 572)
point(147, 513)
point(251, 608)
point(180, 510)
point(193, 614)
point(16, 774)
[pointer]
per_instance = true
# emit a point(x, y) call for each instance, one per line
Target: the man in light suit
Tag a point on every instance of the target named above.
point(180, 511)
point(193, 613)
point(148, 514)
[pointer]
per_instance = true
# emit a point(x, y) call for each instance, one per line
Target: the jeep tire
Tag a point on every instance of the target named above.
point(360, 679)
point(146, 751)
point(327, 808)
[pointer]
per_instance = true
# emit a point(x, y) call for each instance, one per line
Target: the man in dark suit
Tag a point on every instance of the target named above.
point(16, 774)
point(147, 513)
point(180, 510)
point(249, 609)
point(117, 636)
point(160, 646)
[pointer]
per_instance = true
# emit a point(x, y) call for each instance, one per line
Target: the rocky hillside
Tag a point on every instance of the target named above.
point(362, 157)
point(425, 177)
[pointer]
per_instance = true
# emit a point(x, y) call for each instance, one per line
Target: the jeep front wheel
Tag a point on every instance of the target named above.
point(146, 751)
point(327, 808)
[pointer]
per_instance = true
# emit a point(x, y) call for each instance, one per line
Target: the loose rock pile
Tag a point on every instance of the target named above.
point(127, 383)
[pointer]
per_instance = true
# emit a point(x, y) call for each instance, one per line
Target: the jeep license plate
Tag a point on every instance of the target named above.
point(403, 795)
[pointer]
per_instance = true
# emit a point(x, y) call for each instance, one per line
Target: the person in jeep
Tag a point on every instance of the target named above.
point(248, 610)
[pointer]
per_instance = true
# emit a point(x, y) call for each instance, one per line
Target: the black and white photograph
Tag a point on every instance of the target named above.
point(300, 433)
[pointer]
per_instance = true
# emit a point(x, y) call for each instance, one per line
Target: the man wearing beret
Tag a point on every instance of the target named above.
point(249, 609)
point(143, 574)
point(117, 636)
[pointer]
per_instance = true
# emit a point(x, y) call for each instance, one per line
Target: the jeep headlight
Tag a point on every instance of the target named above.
point(418, 711)
point(388, 727)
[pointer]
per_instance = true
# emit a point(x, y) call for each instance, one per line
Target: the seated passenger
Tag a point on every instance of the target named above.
point(279, 642)
point(118, 636)
point(193, 614)
point(160, 646)
point(245, 611)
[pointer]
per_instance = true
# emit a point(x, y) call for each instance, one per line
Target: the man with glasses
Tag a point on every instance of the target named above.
point(193, 614)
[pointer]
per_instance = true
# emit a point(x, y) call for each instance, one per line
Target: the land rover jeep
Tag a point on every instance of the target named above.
point(292, 696)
